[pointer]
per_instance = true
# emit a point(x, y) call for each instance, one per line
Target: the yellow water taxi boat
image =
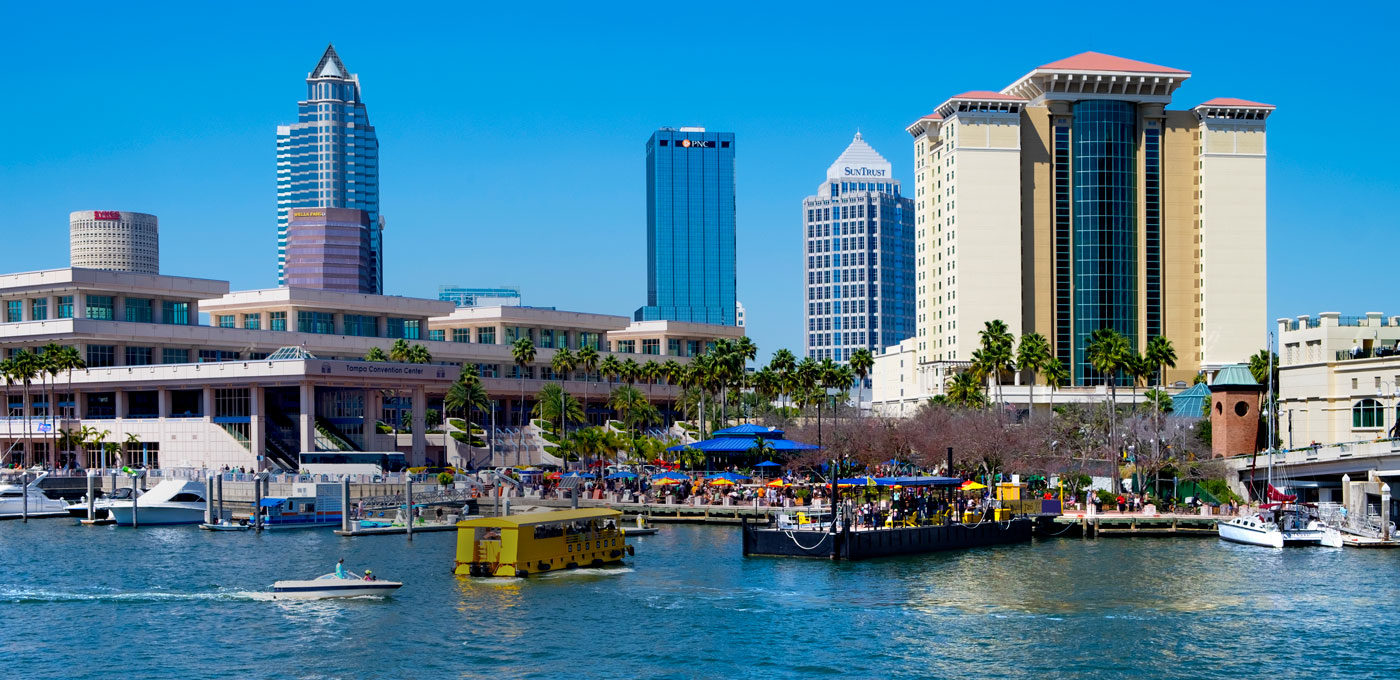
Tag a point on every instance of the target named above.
point(536, 542)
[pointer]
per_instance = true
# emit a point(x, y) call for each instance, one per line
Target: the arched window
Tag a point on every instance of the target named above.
point(1367, 413)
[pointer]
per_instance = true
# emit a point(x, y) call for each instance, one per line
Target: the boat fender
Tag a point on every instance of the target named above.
point(544, 566)
point(571, 565)
point(615, 553)
point(631, 550)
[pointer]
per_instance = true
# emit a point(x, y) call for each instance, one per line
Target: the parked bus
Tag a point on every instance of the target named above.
point(352, 462)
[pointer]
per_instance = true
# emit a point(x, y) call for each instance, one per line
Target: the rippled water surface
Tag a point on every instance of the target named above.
point(89, 602)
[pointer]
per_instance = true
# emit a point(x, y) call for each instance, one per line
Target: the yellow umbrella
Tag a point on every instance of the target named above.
point(665, 480)
point(721, 482)
point(971, 485)
point(778, 483)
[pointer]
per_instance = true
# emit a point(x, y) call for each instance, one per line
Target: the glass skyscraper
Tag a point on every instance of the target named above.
point(690, 227)
point(330, 159)
point(859, 249)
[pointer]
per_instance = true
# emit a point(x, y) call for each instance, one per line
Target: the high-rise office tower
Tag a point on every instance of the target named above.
point(330, 158)
point(1074, 200)
point(690, 227)
point(115, 240)
point(859, 249)
point(328, 248)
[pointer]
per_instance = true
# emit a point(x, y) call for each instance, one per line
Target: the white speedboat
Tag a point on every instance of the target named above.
point(1251, 531)
point(1280, 526)
point(99, 507)
point(331, 586)
point(13, 500)
point(172, 501)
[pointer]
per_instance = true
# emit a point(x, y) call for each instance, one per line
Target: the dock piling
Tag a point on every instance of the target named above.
point(24, 495)
point(257, 506)
point(345, 504)
point(408, 503)
point(208, 500)
point(91, 500)
point(134, 504)
point(573, 498)
point(219, 487)
point(507, 509)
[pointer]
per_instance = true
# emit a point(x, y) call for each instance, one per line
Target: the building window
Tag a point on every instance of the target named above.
point(14, 311)
point(322, 323)
point(226, 321)
point(486, 336)
point(277, 321)
point(673, 347)
point(252, 322)
point(138, 356)
point(546, 338)
point(404, 328)
point(1367, 413)
point(172, 355)
point(175, 313)
point(101, 307)
point(39, 309)
point(652, 346)
point(215, 355)
point(65, 307)
point(461, 335)
point(101, 355)
point(231, 403)
point(594, 340)
point(139, 310)
point(361, 325)
point(627, 346)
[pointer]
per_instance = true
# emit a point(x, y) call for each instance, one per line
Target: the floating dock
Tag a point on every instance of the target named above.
point(1134, 525)
point(867, 543)
point(400, 529)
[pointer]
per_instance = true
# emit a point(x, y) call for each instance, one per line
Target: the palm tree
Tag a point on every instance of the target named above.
point(27, 366)
point(783, 363)
point(1032, 355)
point(466, 394)
point(1139, 369)
point(588, 361)
point(1160, 355)
point(997, 357)
point(562, 364)
point(630, 371)
point(672, 372)
point(965, 390)
point(1108, 352)
point(376, 354)
point(650, 373)
point(399, 351)
point(69, 358)
point(418, 354)
point(7, 373)
point(610, 368)
point(589, 441)
point(766, 384)
point(50, 365)
point(628, 402)
point(1056, 376)
point(523, 352)
point(131, 442)
point(861, 362)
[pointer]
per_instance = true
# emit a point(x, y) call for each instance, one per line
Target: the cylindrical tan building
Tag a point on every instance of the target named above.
point(114, 240)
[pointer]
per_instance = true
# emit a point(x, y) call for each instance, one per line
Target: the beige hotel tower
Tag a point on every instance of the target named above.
point(1074, 199)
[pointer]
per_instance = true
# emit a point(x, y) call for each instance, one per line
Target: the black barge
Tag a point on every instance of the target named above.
point(845, 544)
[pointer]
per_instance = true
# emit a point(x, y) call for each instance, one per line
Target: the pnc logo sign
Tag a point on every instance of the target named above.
point(106, 215)
point(863, 172)
point(697, 143)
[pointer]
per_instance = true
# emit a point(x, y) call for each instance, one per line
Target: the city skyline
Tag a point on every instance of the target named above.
point(589, 205)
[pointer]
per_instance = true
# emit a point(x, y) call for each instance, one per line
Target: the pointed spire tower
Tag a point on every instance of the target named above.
point(858, 250)
point(330, 159)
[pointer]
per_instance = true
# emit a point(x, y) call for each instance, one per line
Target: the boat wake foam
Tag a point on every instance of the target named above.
point(29, 595)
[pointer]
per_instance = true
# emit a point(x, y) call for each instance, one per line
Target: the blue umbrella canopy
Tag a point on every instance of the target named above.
point(769, 463)
point(583, 475)
point(671, 475)
point(623, 474)
point(728, 476)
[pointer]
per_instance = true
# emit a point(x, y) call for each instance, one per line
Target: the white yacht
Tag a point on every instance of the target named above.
point(99, 506)
point(172, 501)
point(1280, 524)
point(13, 497)
point(332, 586)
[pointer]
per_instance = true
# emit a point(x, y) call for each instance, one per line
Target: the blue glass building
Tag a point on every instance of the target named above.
point(330, 159)
point(690, 227)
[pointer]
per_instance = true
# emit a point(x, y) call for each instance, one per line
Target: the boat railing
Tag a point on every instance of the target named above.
point(1336, 515)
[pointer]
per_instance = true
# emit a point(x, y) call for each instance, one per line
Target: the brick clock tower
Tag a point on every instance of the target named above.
point(1234, 411)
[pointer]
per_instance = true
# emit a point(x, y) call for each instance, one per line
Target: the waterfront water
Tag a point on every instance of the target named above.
point(89, 602)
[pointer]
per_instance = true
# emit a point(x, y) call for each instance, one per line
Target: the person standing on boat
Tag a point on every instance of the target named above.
point(340, 568)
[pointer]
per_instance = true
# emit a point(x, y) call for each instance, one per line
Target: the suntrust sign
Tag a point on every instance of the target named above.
point(106, 215)
point(849, 171)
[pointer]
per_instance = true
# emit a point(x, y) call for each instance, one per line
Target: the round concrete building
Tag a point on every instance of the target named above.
point(114, 240)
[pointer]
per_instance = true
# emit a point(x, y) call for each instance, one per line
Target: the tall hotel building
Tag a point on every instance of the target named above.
point(859, 245)
point(690, 227)
point(330, 159)
point(1073, 200)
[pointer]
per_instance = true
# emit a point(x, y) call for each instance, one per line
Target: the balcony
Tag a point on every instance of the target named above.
point(1380, 352)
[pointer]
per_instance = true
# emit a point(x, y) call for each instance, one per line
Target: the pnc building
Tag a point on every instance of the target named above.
point(1074, 199)
point(330, 159)
point(858, 241)
point(690, 227)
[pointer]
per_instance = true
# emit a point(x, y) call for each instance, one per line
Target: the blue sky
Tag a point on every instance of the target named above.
point(512, 140)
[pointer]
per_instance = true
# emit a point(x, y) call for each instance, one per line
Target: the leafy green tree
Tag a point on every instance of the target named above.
point(523, 352)
point(376, 354)
point(861, 362)
point(398, 352)
point(587, 359)
point(965, 391)
point(1056, 376)
point(418, 354)
point(25, 368)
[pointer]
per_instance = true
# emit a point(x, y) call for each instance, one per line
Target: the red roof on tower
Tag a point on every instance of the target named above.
point(1095, 61)
point(1236, 103)
point(987, 94)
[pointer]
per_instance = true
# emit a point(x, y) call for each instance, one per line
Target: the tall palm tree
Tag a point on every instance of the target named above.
point(1056, 376)
point(628, 402)
point(609, 368)
point(650, 373)
point(376, 354)
point(554, 405)
point(1107, 352)
point(523, 352)
point(861, 362)
point(27, 366)
point(7, 373)
point(588, 361)
point(1160, 355)
point(783, 362)
point(630, 371)
point(997, 353)
point(766, 385)
point(672, 372)
point(562, 363)
point(418, 354)
point(1032, 355)
point(52, 364)
point(68, 359)
point(466, 394)
point(1139, 369)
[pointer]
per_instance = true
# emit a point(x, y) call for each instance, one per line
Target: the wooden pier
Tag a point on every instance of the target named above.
point(1137, 525)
